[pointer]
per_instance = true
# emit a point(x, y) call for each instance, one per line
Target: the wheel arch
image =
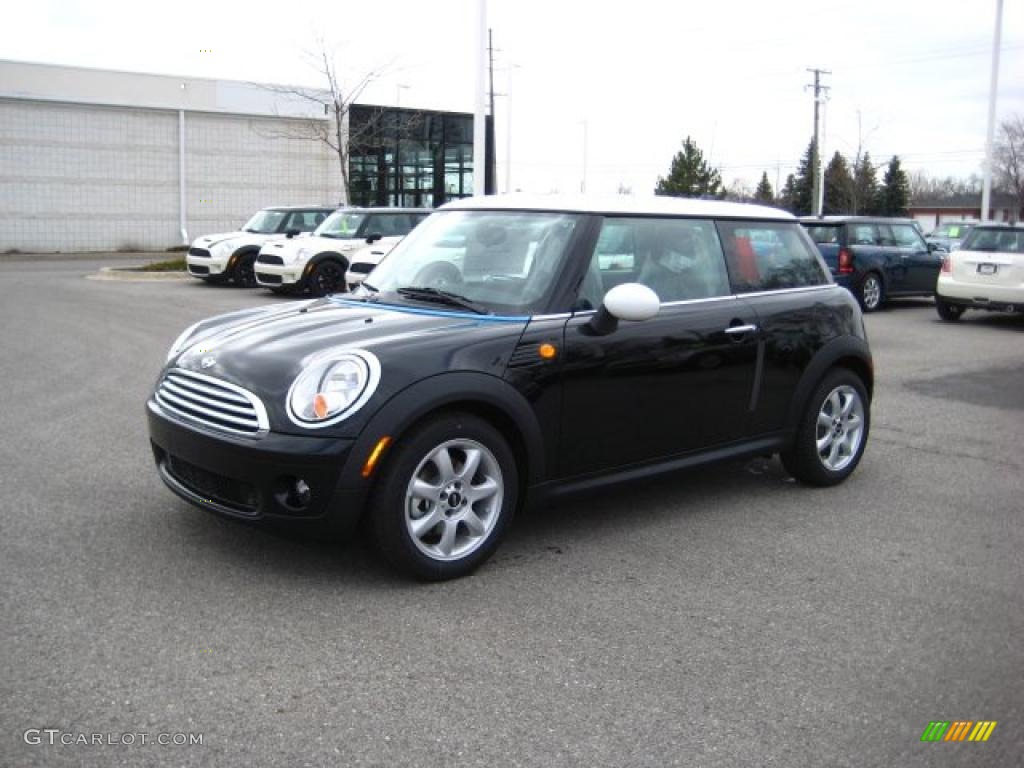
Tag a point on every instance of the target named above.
point(483, 395)
point(847, 352)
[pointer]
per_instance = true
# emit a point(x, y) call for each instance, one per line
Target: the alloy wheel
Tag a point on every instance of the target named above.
point(840, 428)
point(454, 499)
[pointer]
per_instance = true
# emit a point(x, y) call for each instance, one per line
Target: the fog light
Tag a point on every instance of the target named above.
point(299, 495)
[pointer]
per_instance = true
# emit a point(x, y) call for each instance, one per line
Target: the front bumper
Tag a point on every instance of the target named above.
point(276, 275)
point(253, 478)
point(205, 266)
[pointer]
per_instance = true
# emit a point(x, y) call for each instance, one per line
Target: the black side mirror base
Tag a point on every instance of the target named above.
point(602, 323)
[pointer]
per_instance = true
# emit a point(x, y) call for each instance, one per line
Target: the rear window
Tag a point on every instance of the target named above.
point(822, 234)
point(767, 256)
point(1006, 240)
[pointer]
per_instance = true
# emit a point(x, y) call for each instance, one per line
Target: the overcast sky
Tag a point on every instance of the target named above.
point(909, 77)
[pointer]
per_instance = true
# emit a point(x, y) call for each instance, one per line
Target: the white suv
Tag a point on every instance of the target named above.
point(986, 272)
point(319, 262)
point(231, 255)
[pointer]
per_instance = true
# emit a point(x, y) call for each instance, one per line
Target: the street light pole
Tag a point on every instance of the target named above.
point(986, 188)
point(480, 114)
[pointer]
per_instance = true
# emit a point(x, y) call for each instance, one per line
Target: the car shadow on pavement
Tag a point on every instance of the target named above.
point(310, 558)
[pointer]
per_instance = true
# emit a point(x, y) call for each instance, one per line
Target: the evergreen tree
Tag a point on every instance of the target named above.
point(894, 195)
point(838, 186)
point(865, 186)
point(787, 197)
point(803, 203)
point(690, 175)
point(764, 192)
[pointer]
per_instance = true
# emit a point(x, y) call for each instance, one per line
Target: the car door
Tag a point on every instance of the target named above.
point(890, 258)
point(775, 283)
point(921, 265)
point(678, 382)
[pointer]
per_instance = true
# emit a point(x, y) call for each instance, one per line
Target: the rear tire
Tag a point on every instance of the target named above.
point(445, 497)
point(871, 293)
point(832, 432)
point(948, 312)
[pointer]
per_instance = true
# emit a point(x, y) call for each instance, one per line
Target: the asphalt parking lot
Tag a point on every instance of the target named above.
point(725, 617)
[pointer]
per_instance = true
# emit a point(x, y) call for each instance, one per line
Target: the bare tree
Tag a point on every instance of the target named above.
point(336, 99)
point(1008, 165)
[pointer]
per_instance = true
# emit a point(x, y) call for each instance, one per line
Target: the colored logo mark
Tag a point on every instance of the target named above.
point(958, 730)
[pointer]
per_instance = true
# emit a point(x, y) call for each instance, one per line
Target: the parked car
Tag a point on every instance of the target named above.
point(318, 263)
point(363, 260)
point(231, 255)
point(986, 272)
point(877, 259)
point(949, 234)
point(523, 364)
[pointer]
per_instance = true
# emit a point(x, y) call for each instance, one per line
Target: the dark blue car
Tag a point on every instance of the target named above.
point(876, 258)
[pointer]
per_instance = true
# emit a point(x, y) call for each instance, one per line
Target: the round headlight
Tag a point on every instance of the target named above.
point(179, 343)
point(332, 389)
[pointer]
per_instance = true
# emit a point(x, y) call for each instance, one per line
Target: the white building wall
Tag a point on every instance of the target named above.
point(101, 176)
point(90, 178)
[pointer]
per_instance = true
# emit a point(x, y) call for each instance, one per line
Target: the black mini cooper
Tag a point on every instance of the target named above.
point(512, 349)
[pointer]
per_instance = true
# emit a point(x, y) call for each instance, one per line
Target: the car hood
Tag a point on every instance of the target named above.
point(263, 350)
point(239, 238)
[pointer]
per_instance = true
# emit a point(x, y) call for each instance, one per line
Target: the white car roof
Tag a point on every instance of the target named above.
point(620, 204)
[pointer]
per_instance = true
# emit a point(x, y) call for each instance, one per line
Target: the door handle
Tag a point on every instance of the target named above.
point(736, 330)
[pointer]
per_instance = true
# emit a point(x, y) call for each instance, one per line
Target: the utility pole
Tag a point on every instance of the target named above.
point(490, 174)
point(480, 112)
point(819, 90)
point(986, 188)
point(583, 182)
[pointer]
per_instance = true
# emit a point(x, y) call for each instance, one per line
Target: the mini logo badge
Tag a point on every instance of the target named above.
point(207, 362)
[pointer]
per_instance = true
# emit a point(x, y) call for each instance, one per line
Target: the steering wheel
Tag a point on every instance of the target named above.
point(438, 274)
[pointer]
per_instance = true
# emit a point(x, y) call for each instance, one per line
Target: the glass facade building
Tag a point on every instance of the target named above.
point(409, 157)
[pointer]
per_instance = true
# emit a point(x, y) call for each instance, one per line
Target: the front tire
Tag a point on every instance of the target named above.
point(245, 271)
point(871, 293)
point(327, 277)
point(445, 498)
point(832, 433)
point(948, 312)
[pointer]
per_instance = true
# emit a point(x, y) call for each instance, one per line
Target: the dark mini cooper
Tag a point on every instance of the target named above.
point(877, 259)
point(513, 349)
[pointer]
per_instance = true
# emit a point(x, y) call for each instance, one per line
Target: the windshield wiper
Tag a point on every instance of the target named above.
point(427, 293)
point(369, 287)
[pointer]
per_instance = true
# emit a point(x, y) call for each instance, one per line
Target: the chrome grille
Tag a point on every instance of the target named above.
point(212, 402)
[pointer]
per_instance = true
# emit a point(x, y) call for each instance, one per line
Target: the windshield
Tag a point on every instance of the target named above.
point(341, 225)
point(1005, 240)
point(950, 230)
point(265, 222)
point(503, 262)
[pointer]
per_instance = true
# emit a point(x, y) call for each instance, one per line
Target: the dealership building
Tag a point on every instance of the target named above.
point(100, 160)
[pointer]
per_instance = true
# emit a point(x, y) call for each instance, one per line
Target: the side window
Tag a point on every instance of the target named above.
point(885, 236)
point(389, 224)
point(304, 221)
point(824, 235)
point(679, 259)
point(864, 234)
point(906, 236)
point(767, 256)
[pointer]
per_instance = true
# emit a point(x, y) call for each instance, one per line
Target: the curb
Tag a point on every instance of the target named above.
point(134, 275)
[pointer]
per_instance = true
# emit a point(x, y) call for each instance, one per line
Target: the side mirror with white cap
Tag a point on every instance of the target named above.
point(629, 301)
